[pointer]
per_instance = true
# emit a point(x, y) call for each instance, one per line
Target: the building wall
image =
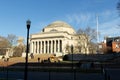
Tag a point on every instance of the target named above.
point(116, 46)
point(49, 43)
point(111, 44)
point(69, 30)
point(39, 43)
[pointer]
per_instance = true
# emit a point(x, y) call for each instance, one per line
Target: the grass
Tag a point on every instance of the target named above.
point(15, 60)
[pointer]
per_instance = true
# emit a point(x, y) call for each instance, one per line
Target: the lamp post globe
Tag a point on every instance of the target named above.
point(28, 22)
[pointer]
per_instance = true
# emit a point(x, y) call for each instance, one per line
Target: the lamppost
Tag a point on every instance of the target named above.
point(28, 22)
point(72, 55)
point(73, 69)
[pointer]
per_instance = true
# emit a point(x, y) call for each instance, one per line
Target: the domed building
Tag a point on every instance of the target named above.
point(58, 37)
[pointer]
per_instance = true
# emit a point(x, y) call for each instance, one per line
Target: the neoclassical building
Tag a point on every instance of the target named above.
point(58, 37)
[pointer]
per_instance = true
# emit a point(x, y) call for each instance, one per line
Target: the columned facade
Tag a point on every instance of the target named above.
point(46, 46)
point(57, 37)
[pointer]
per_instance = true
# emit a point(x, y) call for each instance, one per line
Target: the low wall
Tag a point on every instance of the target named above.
point(91, 57)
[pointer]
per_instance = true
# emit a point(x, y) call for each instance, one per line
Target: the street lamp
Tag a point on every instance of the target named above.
point(28, 22)
point(72, 55)
point(73, 70)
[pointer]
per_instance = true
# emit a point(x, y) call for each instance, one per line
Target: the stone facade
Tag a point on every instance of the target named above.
point(55, 38)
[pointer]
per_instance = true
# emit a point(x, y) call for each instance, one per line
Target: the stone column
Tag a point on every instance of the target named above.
point(31, 47)
point(44, 47)
point(41, 47)
point(48, 47)
point(37, 47)
point(58, 45)
point(61, 46)
point(51, 47)
point(55, 46)
point(34, 48)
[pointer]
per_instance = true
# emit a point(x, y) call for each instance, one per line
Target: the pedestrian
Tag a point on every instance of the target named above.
point(7, 59)
point(38, 59)
point(32, 56)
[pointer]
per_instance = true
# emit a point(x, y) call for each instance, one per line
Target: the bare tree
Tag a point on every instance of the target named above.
point(4, 44)
point(18, 50)
point(67, 49)
point(91, 36)
point(12, 39)
point(91, 33)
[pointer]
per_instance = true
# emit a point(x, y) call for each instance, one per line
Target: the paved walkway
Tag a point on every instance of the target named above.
point(113, 73)
point(52, 76)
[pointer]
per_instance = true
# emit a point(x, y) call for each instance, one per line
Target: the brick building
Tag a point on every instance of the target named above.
point(110, 44)
point(116, 45)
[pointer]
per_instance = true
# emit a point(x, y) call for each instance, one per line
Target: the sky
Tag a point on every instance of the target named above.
point(77, 13)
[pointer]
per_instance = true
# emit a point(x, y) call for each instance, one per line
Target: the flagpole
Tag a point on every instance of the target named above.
point(97, 29)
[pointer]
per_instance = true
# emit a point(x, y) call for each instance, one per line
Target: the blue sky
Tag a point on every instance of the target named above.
point(77, 13)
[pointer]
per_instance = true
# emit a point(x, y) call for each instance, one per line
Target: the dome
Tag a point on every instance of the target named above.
point(59, 26)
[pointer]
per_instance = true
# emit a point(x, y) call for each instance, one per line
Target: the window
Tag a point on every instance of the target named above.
point(100, 46)
point(53, 30)
point(43, 30)
point(117, 45)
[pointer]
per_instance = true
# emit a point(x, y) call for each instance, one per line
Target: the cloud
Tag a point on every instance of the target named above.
point(108, 22)
point(79, 18)
point(110, 28)
point(108, 15)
